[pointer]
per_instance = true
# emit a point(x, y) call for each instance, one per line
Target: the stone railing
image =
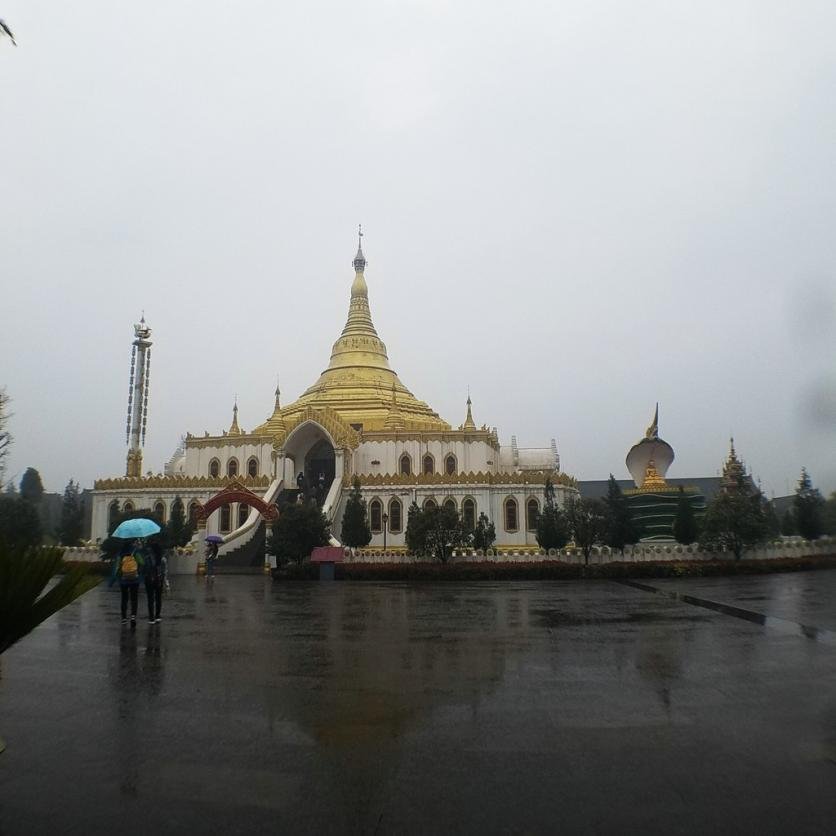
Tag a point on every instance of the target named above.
point(641, 553)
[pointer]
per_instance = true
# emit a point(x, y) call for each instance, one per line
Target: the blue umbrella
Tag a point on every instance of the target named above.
point(131, 529)
point(214, 538)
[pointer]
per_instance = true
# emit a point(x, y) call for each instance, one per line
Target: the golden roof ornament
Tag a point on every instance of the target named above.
point(734, 470)
point(394, 420)
point(469, 423)
point(234, 429)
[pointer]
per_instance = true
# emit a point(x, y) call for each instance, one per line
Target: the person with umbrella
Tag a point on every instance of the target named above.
point(128, 566)
point(212, 543)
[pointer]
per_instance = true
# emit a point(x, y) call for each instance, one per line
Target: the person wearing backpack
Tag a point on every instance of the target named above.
point(127, 570)
point(155, 572)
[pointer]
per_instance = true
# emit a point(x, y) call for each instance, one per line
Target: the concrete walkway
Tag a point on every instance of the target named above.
point(392, 708)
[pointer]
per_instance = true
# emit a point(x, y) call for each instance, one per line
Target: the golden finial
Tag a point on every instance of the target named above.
point(653, 430)
point(469, 423)
point(234, 429)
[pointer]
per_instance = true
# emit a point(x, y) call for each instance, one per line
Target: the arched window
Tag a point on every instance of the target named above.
point(449, 464)
point(375, 518)
point(469, 513)
point(430, 503)
point(450, 504)
point(252, 467)
point(532, 511)
point(243, 513)
point(112, 514)
point(395, 516)
point(177, 507)
point(129, 507)
point(405, 464)
point(429, 464)
point(225, 518)
point(232, 468)
point(193, 513)
point(214, 469)
point(511, 514)
point(159, 511)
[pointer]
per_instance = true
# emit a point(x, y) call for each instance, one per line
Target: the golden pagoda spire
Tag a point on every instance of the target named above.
point(734, 471)
point(469, 423)
point(234, 429)
point(394, 420)
point(358, 372)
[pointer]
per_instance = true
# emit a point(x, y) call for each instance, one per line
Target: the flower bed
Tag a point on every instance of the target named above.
point(554, 569)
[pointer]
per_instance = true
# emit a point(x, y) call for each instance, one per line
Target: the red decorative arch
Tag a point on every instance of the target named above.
point(236, 492)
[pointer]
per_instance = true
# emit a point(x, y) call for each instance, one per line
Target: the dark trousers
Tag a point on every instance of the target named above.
point(131, 589)
point(154, 594)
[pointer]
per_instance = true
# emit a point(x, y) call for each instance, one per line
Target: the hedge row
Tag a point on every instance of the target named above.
point(553, 570)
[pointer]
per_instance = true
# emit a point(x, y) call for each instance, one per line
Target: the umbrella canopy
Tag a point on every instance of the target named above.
point(131, 529)
point(214, 538)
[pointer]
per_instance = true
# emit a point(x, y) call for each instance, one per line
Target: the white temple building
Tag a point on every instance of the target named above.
point(358, 419)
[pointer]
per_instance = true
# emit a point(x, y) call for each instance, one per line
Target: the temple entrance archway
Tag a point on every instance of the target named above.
point(310, 450)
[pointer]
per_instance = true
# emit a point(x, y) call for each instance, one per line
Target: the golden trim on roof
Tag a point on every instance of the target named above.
point(140, 483)
point(344, 436)
point(526, 477)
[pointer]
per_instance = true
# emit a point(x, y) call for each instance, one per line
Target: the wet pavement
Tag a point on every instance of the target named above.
point(395, 708)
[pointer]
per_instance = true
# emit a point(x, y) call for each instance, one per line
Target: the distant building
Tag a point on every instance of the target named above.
point(653, 500)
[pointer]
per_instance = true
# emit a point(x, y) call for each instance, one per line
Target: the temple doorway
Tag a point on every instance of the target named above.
point(320, 460)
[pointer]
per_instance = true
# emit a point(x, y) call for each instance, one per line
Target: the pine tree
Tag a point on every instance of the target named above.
point(72, 516)
point(178, 532)
point(619, 530)
point(20, 524)
point(413, 536)
point(587, 521)
point(735, 519)
point(829, 515)
point(299, 529)
point(31, 487)
point(685, 528)
point(788, 527)
point(356, 531)
point(773, 524)
point(552, 528)
point(484, 535)
point(808, 505)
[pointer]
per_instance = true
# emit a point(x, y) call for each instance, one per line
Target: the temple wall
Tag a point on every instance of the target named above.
point(199, 456)
point(471, 456)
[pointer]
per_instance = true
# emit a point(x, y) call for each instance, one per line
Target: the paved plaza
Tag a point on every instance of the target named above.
point(547, 707)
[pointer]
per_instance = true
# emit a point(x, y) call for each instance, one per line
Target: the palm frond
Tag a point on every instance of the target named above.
point(24, 574)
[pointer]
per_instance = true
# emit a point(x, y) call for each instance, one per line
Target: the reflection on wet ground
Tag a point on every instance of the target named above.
point(773, 622)
point(260, 707)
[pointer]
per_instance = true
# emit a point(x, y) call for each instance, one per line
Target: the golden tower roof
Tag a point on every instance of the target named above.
point(358, 377)
point(234, 429)
point(469, 423)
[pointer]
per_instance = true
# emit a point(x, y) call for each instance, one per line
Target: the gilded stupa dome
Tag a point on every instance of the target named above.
point(359, 383)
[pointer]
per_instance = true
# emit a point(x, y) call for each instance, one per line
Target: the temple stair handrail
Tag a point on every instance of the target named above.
point(244, 533)
point(330, 506)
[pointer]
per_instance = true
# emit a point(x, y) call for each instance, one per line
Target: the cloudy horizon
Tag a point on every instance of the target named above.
point(574, 210)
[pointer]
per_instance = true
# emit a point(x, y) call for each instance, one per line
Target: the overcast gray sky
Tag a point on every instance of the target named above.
point(575, 208)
